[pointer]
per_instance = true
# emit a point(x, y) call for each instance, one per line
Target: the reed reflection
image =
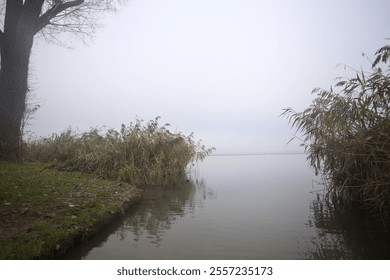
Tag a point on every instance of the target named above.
point(345, 232)
point(162, 207)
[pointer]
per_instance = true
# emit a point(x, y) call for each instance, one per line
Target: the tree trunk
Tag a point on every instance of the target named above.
point(22, 20)
point(13, 89)
point(15, 55)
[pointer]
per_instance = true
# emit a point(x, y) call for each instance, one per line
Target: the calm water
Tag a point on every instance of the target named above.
point(240, 207)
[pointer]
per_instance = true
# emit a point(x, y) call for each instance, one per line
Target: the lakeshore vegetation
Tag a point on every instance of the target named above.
point(346, 133)
point(139, 154)
point(70, 185)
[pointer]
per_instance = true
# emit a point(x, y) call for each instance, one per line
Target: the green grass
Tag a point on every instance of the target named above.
point(44, 212)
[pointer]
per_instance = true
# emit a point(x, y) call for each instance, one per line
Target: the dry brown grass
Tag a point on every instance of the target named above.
point(140, 154)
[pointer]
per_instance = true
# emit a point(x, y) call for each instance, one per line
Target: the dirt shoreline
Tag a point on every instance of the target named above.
point(44, 213)
point(87, 233)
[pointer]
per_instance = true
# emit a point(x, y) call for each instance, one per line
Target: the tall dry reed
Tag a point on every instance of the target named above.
point(346, 133)
point(140, 154)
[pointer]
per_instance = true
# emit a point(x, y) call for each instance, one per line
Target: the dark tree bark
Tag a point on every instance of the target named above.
point(16, 46)
point(22, 20)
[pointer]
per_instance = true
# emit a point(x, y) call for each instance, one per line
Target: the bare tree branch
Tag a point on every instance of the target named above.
point(57, 17)
point(79, 18)
point(57, 8)
point(20, 21)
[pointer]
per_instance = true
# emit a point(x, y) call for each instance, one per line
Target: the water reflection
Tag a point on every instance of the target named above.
point(345, 232)
point(162, 207)
point(146, 224)
point(241, 207)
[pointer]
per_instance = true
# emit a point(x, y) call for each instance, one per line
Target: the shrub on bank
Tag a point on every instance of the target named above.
point(346, 134)
point(140, 154)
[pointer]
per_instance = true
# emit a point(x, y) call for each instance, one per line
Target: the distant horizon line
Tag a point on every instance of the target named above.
point(258, 154)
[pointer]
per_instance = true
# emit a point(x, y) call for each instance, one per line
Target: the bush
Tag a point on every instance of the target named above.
point(346, 134)
point(140, 154)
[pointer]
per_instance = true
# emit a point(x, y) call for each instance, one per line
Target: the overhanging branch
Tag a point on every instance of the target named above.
point(54, 11)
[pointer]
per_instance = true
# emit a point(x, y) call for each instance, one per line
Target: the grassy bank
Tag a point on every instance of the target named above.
point(71, 184)
point(44, 212)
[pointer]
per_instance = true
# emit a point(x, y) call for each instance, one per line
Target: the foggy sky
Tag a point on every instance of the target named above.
point(223, 69)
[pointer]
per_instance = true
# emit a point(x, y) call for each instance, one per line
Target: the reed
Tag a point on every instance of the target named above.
point(140, 154)
point(346, 133)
